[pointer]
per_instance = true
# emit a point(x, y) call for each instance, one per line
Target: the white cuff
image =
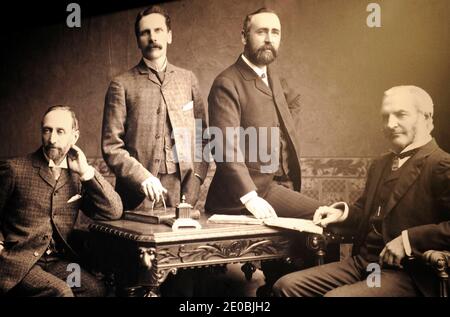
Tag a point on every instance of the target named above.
point(88, 175)
point(245, 199)
point(148, 180)
point(341, 205)
point(406, 244)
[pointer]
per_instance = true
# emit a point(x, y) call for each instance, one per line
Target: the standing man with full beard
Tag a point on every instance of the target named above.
point(248, 97)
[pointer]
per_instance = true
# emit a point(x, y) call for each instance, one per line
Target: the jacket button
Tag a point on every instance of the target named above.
point(157, 136)
point(158, 111)
point(36, 254)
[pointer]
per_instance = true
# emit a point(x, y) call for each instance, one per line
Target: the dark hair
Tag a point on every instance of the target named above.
point(148, 11)
point(246, 26)
point(75, 125)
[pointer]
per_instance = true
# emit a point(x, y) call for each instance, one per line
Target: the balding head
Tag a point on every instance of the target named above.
point(420, 98)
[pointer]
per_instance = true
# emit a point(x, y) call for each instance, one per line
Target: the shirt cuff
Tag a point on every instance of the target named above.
point(342, 206)
point(406, 244)
point(147, 180)
point(246, 198)
point(88, 175)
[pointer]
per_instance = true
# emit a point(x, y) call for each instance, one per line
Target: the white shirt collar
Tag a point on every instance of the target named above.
point(63, 163)
point(258, 70)
point(151, 65)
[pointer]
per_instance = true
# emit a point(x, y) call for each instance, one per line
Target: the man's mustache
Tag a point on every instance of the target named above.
point(154, 45)
point(51, 147)
point(268, 47)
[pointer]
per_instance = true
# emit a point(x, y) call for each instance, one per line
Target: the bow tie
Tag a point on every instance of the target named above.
point(407, 153)
point(398, 157)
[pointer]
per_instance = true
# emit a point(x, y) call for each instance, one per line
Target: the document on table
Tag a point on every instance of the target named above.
point(301, 225)
point(238, 219)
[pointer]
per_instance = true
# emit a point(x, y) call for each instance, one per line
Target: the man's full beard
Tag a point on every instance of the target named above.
point(262, 56)
point(54, 153)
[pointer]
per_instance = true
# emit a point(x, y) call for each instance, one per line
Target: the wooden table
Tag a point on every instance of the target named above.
point(142, 255)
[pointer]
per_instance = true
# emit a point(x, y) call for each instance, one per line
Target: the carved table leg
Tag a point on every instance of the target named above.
point(149, 262)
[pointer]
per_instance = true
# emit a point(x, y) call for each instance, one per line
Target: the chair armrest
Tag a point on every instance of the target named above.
point(440, 262)
point(338, 233)
point(333, 235)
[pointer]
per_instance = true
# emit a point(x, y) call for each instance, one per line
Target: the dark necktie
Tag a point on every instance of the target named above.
point(264, 78)
point(160, 75)
point(398, 157)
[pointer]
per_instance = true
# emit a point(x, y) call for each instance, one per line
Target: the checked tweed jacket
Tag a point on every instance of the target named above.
point(33, 204)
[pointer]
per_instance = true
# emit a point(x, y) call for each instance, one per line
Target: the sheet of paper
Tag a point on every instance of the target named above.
point(302, 225)
point(238, 219)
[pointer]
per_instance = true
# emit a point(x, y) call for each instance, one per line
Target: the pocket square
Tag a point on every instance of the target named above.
point(188, 106)
point(74, 198)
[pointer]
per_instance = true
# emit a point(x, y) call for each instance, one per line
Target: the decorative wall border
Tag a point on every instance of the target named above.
point(327, 179)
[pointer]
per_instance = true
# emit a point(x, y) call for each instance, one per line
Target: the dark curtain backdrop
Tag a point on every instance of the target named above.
point(328, 54)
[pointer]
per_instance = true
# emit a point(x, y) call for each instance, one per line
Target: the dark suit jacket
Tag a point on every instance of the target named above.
point(133, 129)
point(30, 199)
point(239, 98)
point(420, 203)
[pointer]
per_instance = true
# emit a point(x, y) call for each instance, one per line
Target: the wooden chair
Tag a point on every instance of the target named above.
point(439, 260)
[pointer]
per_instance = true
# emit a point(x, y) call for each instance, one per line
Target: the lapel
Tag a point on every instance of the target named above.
point(63, 178)
point(169, 75)
point(283, 110)
point(409, 174)
point(375, 179)
point(278, 97)
point(144, 70)
point(249, 74)
point(168, 79)
point(170, 93)
point(41, 164)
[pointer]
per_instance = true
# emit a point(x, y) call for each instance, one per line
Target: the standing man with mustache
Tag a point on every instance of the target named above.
point(40, 199)
point(152, 116)
point(250, 96)
point(404, 211)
